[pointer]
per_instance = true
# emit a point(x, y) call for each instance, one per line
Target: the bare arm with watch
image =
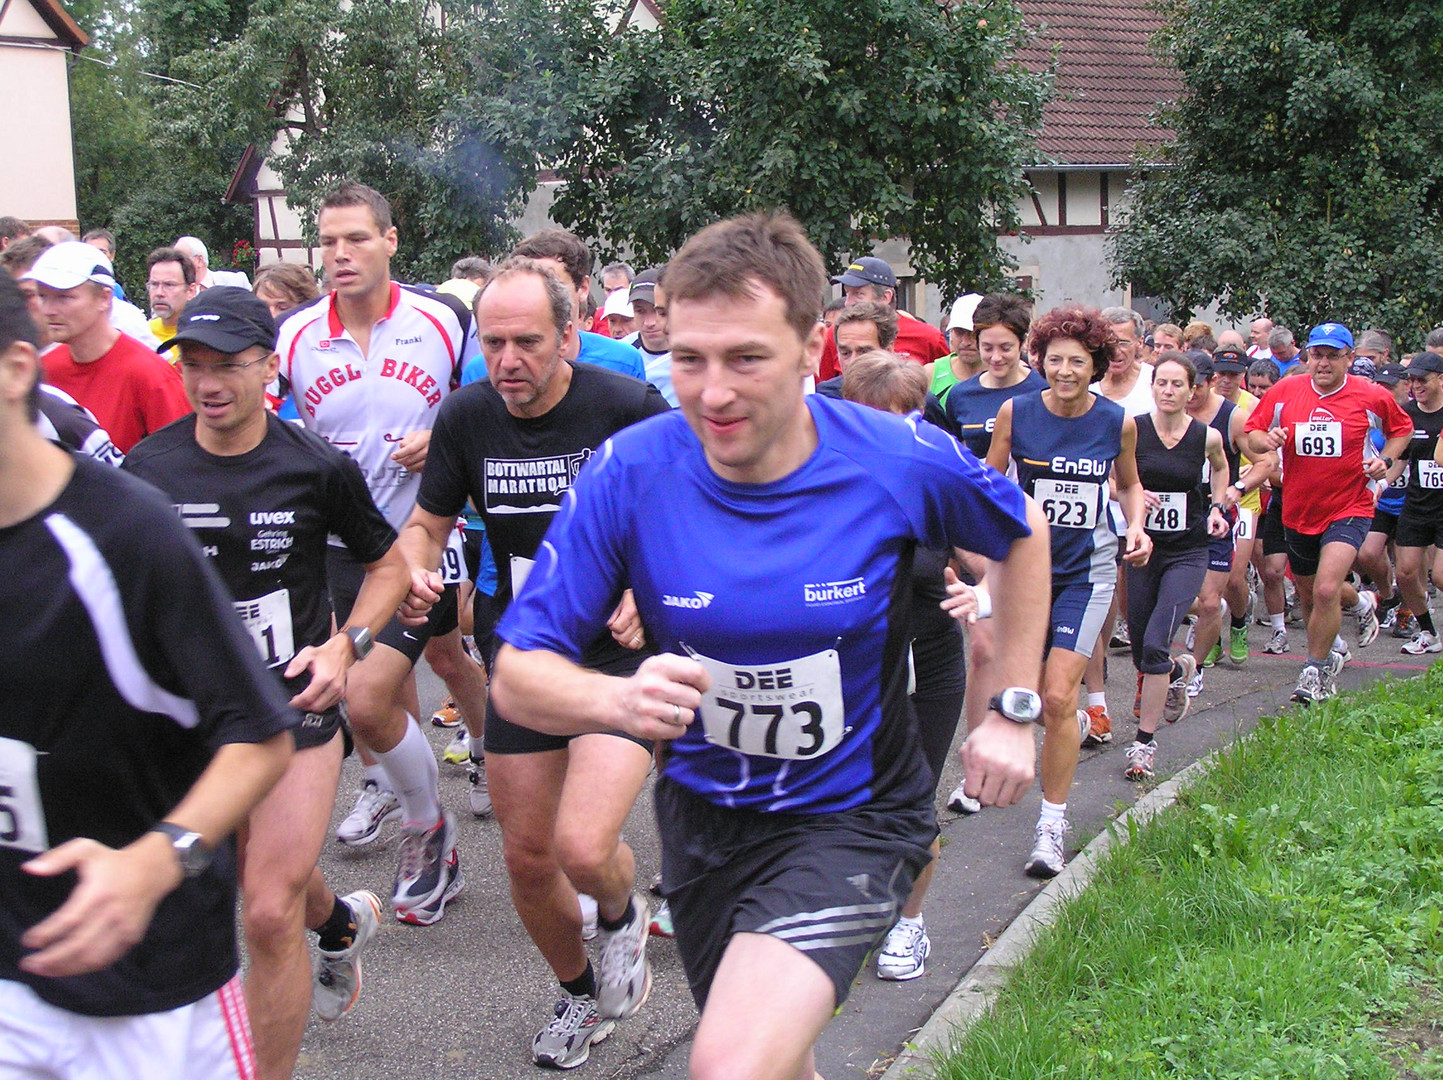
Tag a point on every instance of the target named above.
point(383, 589)
point(117, 890)
point(998, 758)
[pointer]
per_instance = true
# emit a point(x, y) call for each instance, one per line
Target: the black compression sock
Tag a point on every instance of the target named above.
point(339, 929)
point(1425, 622)
point(1240, 622)
point(616, 924)
point(1385, 606)
point(1145, 737)
point(584, 985)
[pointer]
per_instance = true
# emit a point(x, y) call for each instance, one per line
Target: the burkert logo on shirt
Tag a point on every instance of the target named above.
point(834, 592)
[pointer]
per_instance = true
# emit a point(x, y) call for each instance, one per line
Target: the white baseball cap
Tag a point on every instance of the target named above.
point(619, 303)
point(961, 318)
point(64, 266)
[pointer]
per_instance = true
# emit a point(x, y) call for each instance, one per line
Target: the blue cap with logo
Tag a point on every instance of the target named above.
point(1331, 333)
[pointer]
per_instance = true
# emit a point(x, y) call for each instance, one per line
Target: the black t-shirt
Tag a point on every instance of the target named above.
point(516, 470)
point(123, 668)
point(1173, 473)
point(263, 517)
point(1424, 495)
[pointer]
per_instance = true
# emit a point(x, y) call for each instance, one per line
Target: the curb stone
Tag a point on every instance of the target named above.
point(978, 990)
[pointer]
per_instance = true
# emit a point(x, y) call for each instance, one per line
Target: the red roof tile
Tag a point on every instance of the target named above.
point(1108, 81)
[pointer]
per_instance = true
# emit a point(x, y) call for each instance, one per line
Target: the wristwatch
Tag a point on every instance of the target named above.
point(1242, 488)
point(361, 641)
point(1387, 462)
point(192, 853)
point(1018, 704)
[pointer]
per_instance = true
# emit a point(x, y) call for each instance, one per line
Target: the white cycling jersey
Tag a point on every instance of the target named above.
point(365, 404)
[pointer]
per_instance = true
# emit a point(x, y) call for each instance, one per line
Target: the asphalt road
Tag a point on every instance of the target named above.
point(464, 997)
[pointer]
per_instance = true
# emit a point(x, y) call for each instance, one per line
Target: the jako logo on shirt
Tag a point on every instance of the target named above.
point(834, 592)
point(700, 600)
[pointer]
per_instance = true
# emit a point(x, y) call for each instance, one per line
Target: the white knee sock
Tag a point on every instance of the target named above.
point(414, 776)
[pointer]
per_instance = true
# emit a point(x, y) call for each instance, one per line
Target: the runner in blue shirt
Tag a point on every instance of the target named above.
point(1065, 443)
point(794, 807)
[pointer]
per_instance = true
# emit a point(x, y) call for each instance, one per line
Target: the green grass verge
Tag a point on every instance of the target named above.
point(1284, 919)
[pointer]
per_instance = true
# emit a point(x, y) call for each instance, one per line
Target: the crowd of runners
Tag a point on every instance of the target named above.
point(717, 532)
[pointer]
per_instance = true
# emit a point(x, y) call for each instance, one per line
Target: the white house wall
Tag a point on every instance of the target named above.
point(37, 180)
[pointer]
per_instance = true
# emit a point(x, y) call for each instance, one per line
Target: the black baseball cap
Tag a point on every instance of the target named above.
point(227, 318)
point(643, 286)
point(1231, 361)
point(1422, 364)
point(1202, 361)
point(868, 270)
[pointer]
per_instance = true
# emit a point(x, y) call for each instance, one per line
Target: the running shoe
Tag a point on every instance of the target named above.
point(1099, 725)
point(1405, 626)
point(1189, 641)
point(1120, 638)
point(1345, 655)
point(480, 795)
point(429, 874)
point(1238, 644)
point(623, 978)
point(661, 925)
point(375, 806)
point(1278, 643)
point(1422, 644)
point(458, 750)
point(904, 953)
point(1389, 620)
point(1310, 685)
point(1214, 655)
point(338, 974)
point(1194, 687)
point(959, 802)
point(566, 1041)
point(448, 715)
point(588, 916)
point(1047, 859)
point(1368, 620)
point(1140, 757)
point(1178, 700)
point(1332, 668)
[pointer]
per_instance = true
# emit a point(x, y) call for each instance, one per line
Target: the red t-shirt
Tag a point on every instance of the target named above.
point(1327, 443)
point(916, 339)
point(131, 390)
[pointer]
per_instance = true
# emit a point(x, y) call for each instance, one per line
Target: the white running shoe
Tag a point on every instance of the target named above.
point(1310, 685)
point(904, 953)
point(1277, 644)
point(566, 1041)
point(375, 806)
point(480, 796)
point(589, 914)
point(1422, 644)
point(1047, 859)
point(1140, 756)
point(338, 974)
point(623, 977)
point(1368, 626)
point(959, 802)
point(428, 876)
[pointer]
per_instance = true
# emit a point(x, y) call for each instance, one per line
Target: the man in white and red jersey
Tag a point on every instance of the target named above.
point(369, 365)
point(870, 278)
point(1321, 424)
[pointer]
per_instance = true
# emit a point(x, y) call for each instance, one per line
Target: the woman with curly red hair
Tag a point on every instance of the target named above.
point(1065, 442)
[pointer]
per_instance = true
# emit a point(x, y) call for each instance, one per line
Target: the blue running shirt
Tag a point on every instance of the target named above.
point(1063, 462)
point(972, 408)
point(808, 710)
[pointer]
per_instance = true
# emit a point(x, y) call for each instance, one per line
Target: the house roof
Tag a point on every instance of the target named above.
point(60, 23)
point(1108, 80)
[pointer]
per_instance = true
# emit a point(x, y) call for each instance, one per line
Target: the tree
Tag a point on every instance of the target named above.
point(1306, 180)
point(866, 119)
point(136, 172)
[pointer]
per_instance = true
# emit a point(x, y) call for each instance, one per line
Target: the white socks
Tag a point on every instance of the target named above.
point(414, 776)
